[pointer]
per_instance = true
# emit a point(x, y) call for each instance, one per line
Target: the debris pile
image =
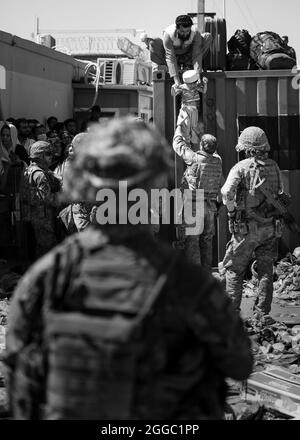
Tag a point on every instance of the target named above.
point(275, 344)
point(286, 281)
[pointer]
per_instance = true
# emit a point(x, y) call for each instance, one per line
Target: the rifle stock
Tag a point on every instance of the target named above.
point(281, 208)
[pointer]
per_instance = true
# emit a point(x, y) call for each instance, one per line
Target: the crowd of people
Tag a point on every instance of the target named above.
point(34, 155)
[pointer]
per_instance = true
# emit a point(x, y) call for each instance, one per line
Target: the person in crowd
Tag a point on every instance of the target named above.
point(24, 134)
point(204, 171)
point(59, 128)
point(51, 124)
point(182, 46)
point(39, 132)
point(76, 216)
point(59, 154)
point(11, 121)
point(255, 226)
point(40, 196)
point(32, 123)
point(8, 156)
point(16, 150)
point(95, 114)
point(113, 324)
point(71, 127)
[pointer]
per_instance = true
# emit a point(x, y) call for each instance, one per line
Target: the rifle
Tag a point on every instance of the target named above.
point(280, 204)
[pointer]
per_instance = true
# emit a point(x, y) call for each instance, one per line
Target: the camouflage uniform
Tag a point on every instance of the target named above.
point(41, 211)
point(176, 364)
point(257, 228)
point(204, 171)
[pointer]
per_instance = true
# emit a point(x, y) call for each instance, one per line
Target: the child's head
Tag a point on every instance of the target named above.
point(190, 77)
point(208, 143)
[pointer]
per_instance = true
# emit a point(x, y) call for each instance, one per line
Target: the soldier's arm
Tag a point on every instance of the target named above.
point(228, 190)
point(181, 147)
point(44, 189)
point(171, 57)
point(218, 326)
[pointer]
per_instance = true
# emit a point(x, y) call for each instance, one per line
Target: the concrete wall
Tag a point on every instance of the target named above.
point(38, 80)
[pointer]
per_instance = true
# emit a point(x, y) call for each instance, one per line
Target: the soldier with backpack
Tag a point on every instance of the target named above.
point(255, 226)
point(112, 324)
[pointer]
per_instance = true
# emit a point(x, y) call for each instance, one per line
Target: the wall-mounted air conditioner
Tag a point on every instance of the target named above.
point(136, 72)
point(46, 40)
point(124, 71)
point(111, 70)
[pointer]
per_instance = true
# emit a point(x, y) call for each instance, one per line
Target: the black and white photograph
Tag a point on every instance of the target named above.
point(149, 214)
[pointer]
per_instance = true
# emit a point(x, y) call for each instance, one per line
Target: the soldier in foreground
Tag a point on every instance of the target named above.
point(112, 324)
point(254, 223)
point(204, 171)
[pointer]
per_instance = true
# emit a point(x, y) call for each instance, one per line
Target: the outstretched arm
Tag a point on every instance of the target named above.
point(181, 147)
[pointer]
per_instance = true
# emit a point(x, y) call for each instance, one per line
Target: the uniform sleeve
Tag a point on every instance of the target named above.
point(24, 319)
point(43, 188)
point(170, 55)
point(181, 148)
point(218, 326)
point(228, 191)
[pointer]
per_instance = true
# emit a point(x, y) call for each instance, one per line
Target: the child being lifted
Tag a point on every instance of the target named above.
point(188, 117)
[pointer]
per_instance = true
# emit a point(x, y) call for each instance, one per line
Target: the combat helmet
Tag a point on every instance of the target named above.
point(253, 138)
point(120, 150)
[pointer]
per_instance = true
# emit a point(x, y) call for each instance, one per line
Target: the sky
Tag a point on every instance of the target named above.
point(17, 17)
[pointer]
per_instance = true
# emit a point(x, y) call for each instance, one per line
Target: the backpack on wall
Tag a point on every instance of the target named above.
point(268, 51)
point(240, 42)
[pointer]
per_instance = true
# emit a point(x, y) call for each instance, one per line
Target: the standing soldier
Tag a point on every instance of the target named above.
point(39, 197)
point(204, 171)
point(112, 324)
point(253, 222)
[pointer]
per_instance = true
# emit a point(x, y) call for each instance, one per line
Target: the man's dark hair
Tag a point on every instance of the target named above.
point(11, 121)
point(51, 118)
point(184, 20)
point(20, 121)
point(33, 121)
point(67, 121)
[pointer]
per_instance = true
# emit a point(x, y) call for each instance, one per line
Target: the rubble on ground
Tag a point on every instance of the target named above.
point(286, 282)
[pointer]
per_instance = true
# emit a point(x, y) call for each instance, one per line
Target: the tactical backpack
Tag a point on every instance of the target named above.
point(240, 42)
point(100, 317)
point(268, 51)
point(238, 57)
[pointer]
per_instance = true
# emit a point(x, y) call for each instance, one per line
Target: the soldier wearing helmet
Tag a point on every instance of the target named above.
point(39, 196)
point(113, 324)
point(204, 171)
point(254, 224)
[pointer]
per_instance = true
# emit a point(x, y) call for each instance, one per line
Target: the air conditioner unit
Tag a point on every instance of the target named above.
point(136, 72)
point(46, 40)
point(111, 70)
